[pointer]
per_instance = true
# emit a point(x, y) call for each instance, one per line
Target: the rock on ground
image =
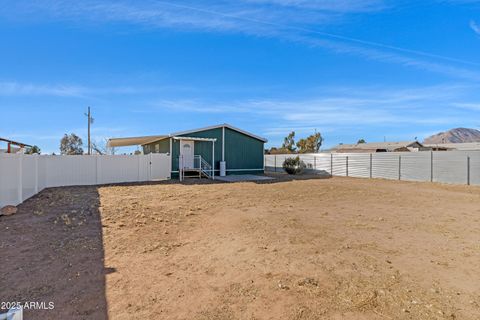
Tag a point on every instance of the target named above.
point(8, 211)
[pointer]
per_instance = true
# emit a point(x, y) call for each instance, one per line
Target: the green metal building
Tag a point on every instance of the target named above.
point(231, 150)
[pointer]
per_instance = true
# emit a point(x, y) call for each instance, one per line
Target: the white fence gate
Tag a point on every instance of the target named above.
point(22, 176)
point(459, 167)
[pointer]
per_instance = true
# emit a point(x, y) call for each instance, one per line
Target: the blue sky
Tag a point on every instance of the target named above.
point(348, 68)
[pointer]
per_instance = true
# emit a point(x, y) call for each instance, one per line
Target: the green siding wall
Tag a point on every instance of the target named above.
point(175, 154)
point(163, 147)
point(242, 151)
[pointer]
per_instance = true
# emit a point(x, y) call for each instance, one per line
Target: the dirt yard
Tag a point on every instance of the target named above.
point(307, 249)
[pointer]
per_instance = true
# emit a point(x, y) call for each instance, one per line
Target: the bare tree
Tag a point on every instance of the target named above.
point(101, 147)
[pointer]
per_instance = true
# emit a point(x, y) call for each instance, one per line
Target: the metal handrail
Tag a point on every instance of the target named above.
point(198, 163)
point(205, 167)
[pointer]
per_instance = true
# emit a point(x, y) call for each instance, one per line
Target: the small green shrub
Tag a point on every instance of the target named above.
point(294, 165)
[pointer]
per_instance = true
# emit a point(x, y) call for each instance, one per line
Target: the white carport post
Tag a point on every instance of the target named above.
point(213, 159)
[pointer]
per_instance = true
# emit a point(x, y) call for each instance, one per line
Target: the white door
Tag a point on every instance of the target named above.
point(186, 151)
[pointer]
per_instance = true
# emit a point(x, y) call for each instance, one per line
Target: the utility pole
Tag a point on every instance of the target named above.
point(90, 121)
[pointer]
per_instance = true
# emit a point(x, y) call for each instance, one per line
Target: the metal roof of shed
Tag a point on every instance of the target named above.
point(194, 139)
point(226, 125)
point(135, 141)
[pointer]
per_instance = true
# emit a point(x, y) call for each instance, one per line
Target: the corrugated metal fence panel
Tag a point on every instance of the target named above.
point(270, 162)
point(275, 162)
point(475, 167)
point(309, 161)
point(359, 165)
point(415, 166)
point(385, 165)
point(322, 163)
point(339, 164)
point(314, 161)
point(450, 167)
point(9, 179)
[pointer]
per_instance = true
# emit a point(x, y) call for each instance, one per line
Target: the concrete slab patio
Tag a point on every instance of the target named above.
point(243, 177)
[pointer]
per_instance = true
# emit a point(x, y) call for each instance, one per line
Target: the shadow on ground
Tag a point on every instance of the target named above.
point(52, 251)
point(277, 177)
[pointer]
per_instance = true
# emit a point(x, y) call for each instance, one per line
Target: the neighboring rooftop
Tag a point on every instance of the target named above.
point(15, 143)
point(467, 146)
point(379, 147)
point(11, 144)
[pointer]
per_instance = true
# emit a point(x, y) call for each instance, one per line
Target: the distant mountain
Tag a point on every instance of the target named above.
point(457, 135)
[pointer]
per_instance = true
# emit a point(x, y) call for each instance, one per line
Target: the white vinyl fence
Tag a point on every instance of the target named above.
point(22, 176)
point(459, 167)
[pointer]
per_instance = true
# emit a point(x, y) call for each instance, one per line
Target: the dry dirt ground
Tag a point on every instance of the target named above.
point(338, 248)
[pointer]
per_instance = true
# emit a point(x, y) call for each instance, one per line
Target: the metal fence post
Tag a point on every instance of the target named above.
point(399, 167)
point(431, 166)
point(331, 164)
point(468, 170)
point(371, 165)
point(314, 163)
point(347, 165)
point(275, 163)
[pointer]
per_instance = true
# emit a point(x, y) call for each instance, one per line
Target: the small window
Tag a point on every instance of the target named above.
point(186, 146)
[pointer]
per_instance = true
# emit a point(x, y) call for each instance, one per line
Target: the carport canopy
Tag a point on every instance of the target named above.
point(139, 141)
point(133, 141)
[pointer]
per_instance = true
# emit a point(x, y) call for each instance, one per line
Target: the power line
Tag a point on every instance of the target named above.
point(325, 34)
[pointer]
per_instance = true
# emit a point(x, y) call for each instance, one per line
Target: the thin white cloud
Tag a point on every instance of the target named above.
point(468, 106)
point(333, 111)
point(377, 54)
point(344, 107)
point(15, 88)
point(294, 20)
point(475, 27)
point(328, 5)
